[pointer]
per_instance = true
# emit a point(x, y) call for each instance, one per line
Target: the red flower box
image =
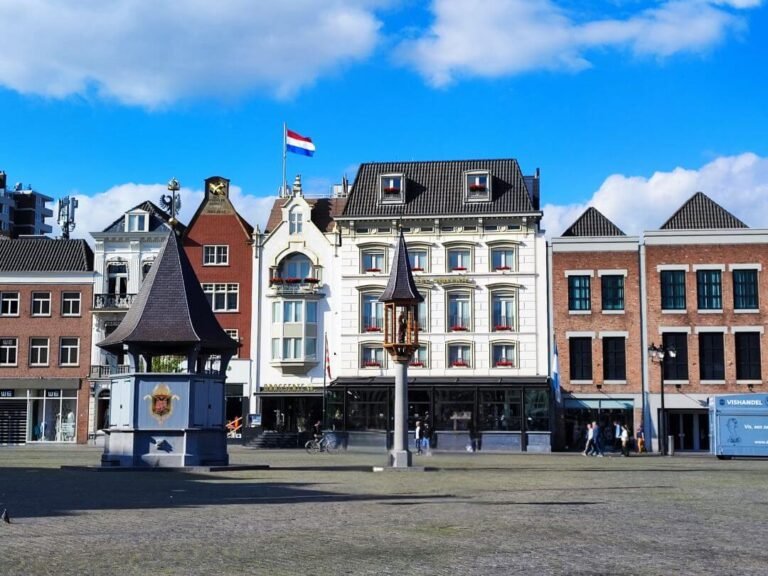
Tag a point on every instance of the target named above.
point(417, 364)
point(391, 190)
point(275, 280)
point(504, 364)
point(459, 328)
point(417, 269)
point(501, 328)
point(502, 268)
point(373, 329)
point(373, 269)
point(292, 280)
point(459, 364)
point(477, 187)
point(459, 269)
point(371, 364)
point(311, 280)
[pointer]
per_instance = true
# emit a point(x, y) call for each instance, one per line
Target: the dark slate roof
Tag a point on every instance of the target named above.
point(593, 223)
point(701, 212)
point(45, 255)
point(401, 286)
point(437, 188)
point(158, 219)
point(324, 212)
point(171, 312)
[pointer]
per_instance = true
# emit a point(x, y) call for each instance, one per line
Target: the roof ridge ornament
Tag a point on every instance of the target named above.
point(171, 203)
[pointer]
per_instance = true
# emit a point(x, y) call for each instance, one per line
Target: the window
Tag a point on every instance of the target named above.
point(216, 255)
point(419, 359)
point(70, 303)
point(372, 357)
point(372, 316)
point(293, 311)
point(418, 259)
point(459, 356)
point(459, 311)
point(504, 355)
point(69, 352)
point(423, 318)
point(392, 189)
point(117, 278)
point(745, 290)
point(580, 352)
point(146, 266)
point(709, 289)
point(8, 351)
point(503, 259)
point(222, 297)
point(478, 186)
point(614, 358)
point(748, 356)
point(373, 260)
point(579, 295)
point(676, 368)
point(297, 266)
point(711, 356)
point(9, 303)
point(673, 289)
point(38, 351)
point(292, 348)
point(41, 303)
point(613, 292)
point(504, 310)
point(459, 259)
point(295, 221)
point(234, 334)
point(136, 222)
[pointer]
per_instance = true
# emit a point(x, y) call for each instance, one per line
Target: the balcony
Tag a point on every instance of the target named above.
point(100, 371)
point(110, 302)
point(282, 286)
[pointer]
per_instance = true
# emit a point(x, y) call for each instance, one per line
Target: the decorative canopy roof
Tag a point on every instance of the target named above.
point(171, 313)
point(593, 223)
point(401, 288)
point(700, 212)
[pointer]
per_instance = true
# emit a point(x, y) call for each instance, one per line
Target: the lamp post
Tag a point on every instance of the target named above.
point(658, 354)
point(401, 299)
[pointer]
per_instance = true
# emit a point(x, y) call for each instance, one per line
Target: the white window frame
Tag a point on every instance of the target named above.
point(512, 361)
point(504, 265)
point(378, 257)
point(475, 179)
point(69, 347)
point(225, 289)
point(216, 255)
point(133, 219)
point(455, 296)
point(68, 303)
point(504, 295)
point(9, 303)
point(44, 300)
point(35, 350)
point(419, 258)
point(295, 221)
point(392, 189)
point(465, 356)
point(377, 359)
point(463, 262)
point(234, 333)
point(420, 356)
point(376, 306)
point(9, 346)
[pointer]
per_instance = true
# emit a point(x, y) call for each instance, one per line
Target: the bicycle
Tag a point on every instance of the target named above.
point(322, 444)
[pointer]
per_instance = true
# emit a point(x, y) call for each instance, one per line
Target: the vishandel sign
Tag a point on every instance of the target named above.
point(738, 425)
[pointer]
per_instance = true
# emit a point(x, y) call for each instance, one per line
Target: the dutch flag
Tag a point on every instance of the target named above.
point(298, 144)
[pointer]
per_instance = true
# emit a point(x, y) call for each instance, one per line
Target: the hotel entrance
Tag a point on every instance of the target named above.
point(690, 429)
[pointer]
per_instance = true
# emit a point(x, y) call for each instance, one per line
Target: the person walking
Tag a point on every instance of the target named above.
point(418, 434)
point(426, 433)
point(640, 438)
point(625, 440)
point(588, 449)
point(598, 441)
point(617, 427)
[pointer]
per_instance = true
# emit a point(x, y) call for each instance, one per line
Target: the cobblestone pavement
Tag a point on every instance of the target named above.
point(329, 514)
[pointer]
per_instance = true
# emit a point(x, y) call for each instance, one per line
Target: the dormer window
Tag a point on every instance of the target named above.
point(392, 189)
point(477, 186)
point(295, 221)
point(136, 222)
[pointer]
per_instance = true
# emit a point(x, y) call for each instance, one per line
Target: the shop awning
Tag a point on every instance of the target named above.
point(40, 383)
point(599, 403)
point(442, 381)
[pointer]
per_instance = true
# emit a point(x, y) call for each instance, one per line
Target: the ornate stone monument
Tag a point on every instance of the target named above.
point(161, 419)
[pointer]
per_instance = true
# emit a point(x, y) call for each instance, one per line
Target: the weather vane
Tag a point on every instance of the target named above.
point(172, 202)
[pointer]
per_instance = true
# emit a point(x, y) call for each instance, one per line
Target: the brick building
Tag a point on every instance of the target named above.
point(46, 287)
point(218, 242)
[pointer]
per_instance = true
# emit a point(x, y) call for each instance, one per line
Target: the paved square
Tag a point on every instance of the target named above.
point(328, 514)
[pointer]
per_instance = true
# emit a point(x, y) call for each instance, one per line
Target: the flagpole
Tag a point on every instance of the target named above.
point(285, 137)
point(325, 370)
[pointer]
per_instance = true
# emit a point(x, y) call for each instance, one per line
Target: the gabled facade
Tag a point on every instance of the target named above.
point(45, 340)
point(595, 315)
point(218, 242)
point(123, 255)
point(296, 303)
point(706, 297)
point(480, 376)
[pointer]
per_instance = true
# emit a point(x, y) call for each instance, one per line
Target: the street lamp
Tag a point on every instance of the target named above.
point(658, 354)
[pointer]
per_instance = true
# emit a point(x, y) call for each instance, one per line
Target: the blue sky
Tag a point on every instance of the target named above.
point(627, 105)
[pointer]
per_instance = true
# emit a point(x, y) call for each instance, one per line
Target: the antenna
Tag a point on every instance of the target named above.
point(66, 219)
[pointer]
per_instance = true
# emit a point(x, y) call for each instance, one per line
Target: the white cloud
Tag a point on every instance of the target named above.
point(504, 37)
point(95, 213)
point(635, 203)
point(154, 53)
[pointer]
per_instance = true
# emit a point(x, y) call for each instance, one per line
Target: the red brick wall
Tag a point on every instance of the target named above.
point(715, 255)
point(225, 229)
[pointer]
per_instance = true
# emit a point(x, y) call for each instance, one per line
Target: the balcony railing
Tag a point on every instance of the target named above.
point(107, 370)
point(113, 301)
point(295, 285)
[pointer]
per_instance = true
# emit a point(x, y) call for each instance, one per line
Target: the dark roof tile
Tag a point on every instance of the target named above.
point(700, 212)
point(593, 223)
point(45, 255)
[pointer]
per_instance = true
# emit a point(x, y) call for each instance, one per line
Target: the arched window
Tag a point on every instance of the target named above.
point(296, 266)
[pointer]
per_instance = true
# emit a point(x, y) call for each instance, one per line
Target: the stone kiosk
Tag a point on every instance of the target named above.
point(169, 419)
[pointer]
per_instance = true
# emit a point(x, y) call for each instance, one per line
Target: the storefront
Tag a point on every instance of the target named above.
point(485, 414)
point(47, 414)
point(290, 407)
point(578, 412)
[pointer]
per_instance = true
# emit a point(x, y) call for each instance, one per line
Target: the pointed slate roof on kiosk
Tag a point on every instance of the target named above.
point(401, 287)
point(171, 312)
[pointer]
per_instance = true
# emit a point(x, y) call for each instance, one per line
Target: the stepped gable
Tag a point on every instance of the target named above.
point(593, 223)
point(401, 286)
point(437, 188)
point(700, 212)
point(171, 312)
point(45, 255)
